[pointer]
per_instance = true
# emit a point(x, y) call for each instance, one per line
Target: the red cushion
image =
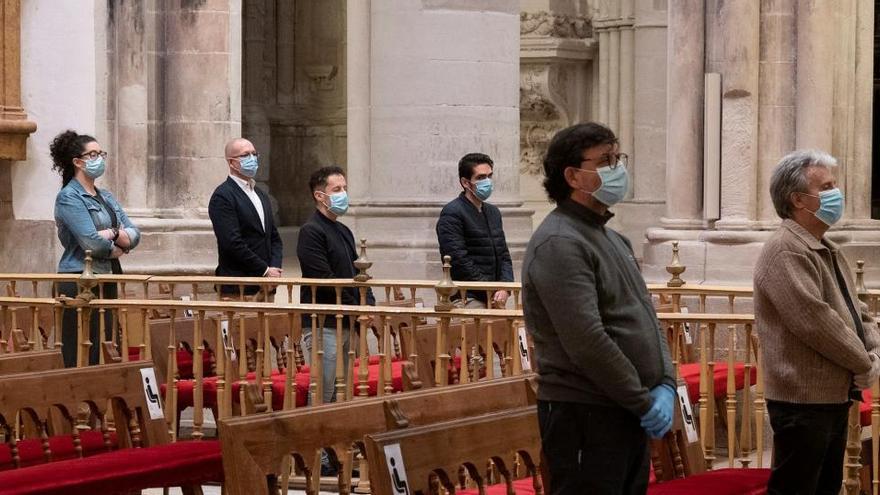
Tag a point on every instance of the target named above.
point(185, 387)
point(121, 471)
point(520, 487)
point(865, 408)
point(720, 482)
point(30, 451)
point(184, 361)
point(690, 372)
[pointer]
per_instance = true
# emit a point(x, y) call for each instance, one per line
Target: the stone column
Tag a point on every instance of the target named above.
point(815, 73)
point(627, 83)
point(200, 77)
point(740, 22)
point(777, 100)
point(859, 178)
point(426, 110)
point(684, 118)
point(128, 103)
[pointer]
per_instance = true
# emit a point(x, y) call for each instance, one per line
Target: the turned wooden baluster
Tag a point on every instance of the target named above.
point(315, 387)
point(266, 363)
point(441, 360)
point(731, 395)
point(12, 443)
point(514, 365)
point(490, 352)
point(745, 443)
point(44, 438)
point(386, 358)
point(706, 420)
point(363, 350)
point(339, 381)
point(198, 377)
point(134, 428)
point(171, 378)
point(464, 375)
point(760, 405)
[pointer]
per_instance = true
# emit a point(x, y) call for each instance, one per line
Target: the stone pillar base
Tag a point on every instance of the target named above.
point(402, 240)
point(727, 257)
point(173, 246)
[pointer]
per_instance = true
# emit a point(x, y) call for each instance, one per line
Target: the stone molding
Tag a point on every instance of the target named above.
point(543, 24)
point(14, 126)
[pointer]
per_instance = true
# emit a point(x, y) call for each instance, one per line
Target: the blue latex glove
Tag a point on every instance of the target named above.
point(658, 420)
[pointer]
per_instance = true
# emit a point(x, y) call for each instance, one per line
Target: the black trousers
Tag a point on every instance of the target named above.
point(592, 449)
point(68, 324)
point(809, 442)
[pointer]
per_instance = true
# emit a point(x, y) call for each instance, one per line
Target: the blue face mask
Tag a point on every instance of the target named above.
point(338, 203)
point(615, 184)
point(249, 165)
point(830, 206)
point(95, 168)
point(483, 189)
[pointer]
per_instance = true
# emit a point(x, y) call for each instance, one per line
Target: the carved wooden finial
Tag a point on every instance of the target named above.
point(446, 287)
point(675, 268)
point(363, 264)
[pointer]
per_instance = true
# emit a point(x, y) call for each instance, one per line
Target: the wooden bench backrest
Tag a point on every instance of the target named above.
point(441, 448)
point(24, 362)
point(40, 392)
point(254, 446)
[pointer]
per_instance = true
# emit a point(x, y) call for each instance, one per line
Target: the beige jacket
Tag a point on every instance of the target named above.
point(808, 341)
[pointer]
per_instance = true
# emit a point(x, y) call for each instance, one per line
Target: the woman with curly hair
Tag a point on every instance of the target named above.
point(88, 219)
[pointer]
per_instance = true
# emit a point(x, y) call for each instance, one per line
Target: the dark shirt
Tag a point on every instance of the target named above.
point(326, 249)
point(475, 241)
point(586, 305)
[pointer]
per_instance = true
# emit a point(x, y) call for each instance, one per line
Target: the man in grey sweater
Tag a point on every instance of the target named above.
point(818, 342)
point(606, 380)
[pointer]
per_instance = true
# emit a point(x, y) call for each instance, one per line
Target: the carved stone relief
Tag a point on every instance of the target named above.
point(554, 25)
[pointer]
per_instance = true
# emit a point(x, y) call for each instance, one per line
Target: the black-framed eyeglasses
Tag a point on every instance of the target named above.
point(612, 160)
point(91, 155)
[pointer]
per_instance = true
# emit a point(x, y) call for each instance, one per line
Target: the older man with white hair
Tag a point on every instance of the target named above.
point(820, 346)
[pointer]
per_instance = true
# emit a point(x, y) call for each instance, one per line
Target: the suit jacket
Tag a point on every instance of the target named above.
point(326, 249)
point(245, 247)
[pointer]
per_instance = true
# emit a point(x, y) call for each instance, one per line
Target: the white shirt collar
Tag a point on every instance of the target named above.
point(244, 184)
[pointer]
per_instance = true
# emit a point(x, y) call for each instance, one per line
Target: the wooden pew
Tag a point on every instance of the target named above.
point(430, 456)
point(139, 457)
point(23, 362)
point(256, 447)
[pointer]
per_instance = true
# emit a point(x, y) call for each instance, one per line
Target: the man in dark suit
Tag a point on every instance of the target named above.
point(326, 249)
point(248, 243)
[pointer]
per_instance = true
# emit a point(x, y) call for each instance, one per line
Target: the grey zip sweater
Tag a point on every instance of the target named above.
point(596, 334)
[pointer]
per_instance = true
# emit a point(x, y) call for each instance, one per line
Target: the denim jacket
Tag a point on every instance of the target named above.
point(79, 217)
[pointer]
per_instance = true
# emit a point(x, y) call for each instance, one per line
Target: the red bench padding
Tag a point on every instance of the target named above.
point(124, 470)
point(30, 451)
point(690, 372)
point(865, 408)
point(520, 487)
point(185, 387)
point(720, 482)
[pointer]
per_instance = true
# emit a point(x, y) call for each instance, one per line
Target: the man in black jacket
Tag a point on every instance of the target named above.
point(470, 231)
point(326, 249)
point(605, 376)
point(248, 243)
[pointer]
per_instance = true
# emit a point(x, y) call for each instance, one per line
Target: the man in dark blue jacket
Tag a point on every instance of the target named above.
point(470, 231)
point(326, 249)
point(248, 244)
